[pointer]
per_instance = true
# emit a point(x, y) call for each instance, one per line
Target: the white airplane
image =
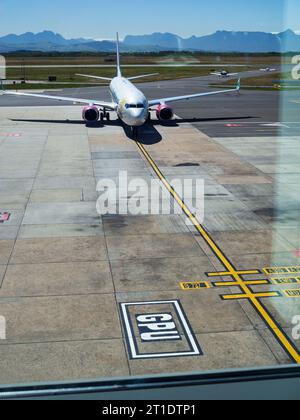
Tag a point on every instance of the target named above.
point(268, 69)
point(130, 103)
point(223, 73)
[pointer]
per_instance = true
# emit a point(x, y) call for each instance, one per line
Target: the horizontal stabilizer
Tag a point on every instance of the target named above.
point(95, 77)
point(143, 76)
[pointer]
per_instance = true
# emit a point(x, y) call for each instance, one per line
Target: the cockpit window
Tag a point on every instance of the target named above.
point(140, 105)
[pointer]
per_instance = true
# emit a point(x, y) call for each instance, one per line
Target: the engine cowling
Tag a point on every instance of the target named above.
point(90, 113)
point(164, 113)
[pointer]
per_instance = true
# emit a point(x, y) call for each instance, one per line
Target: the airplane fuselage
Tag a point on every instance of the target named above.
point(133, 107)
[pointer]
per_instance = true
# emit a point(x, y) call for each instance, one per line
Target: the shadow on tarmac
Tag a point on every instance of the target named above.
point(147, 134)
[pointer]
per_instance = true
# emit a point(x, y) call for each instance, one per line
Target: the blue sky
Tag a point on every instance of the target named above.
point(101, 19)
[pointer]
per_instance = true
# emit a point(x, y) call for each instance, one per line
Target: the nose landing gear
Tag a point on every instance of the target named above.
point(134, 133)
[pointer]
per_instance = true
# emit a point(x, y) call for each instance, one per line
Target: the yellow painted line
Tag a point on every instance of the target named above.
point(234, 283)
point(228, 273)
point(253, 298)
point(197, 285)
point(250, 296)
point(293, 293)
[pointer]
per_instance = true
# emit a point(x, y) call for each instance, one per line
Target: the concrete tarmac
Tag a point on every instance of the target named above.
point(84, 294)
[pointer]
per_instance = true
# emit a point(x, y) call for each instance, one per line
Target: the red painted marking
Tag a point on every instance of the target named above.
point(10, 135)
point(234, 125)
point(296, 252)
point(4, 217)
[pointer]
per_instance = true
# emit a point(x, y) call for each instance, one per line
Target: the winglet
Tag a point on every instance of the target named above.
point(238, 85)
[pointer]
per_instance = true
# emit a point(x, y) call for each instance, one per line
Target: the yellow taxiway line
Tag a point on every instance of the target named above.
point(231, 271)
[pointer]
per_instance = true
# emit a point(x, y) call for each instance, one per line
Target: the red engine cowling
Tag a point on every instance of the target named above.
point(90, 113)
point(164, 113)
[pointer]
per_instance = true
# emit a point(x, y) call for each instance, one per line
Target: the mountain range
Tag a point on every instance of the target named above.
point(220, 41)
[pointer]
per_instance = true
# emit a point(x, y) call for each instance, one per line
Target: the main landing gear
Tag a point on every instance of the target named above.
point(104, 116)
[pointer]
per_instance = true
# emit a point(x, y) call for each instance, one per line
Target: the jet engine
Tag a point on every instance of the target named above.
point(90, 113)
point(164, 112)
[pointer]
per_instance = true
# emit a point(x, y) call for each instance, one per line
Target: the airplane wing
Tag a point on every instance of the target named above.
point(232, 74)
point(197, 95)
point(215, 74)
point(109, 105)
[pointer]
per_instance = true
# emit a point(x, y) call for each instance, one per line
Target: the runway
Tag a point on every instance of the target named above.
point(251, 113)
point(82, 293)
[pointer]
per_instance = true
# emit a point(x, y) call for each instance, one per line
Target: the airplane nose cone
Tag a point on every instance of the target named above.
point(137, 117)
point(137, 113)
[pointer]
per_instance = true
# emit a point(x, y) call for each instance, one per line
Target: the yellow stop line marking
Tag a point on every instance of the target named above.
point(244, 296)
point(228, 273)
point(253, 298)
point(248, 282)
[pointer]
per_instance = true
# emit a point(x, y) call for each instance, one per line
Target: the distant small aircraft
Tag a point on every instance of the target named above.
point(223, 73)
point(131, 105)
point(267, 69)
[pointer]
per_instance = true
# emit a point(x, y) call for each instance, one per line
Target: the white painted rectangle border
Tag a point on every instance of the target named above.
point(129, 333)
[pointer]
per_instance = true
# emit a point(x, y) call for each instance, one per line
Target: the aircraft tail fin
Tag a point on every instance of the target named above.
point(119, 72)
